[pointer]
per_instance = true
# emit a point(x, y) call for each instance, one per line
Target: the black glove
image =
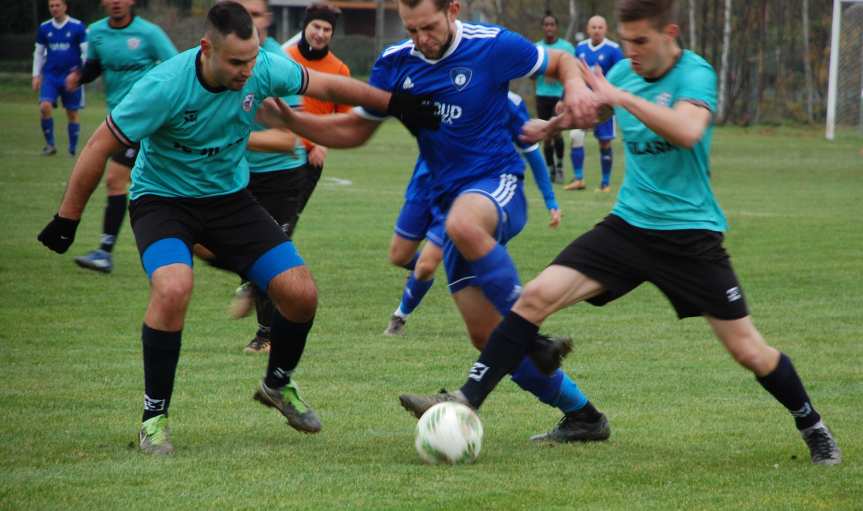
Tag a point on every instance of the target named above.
point(415, 112)
point(59, 234)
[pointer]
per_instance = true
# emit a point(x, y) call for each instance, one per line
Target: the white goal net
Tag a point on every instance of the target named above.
point(845, 89)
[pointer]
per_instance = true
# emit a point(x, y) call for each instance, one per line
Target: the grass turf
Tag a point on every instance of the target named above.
point(691, 430)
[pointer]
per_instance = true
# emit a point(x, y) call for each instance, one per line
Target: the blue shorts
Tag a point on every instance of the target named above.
point(604, 131)
point(507, 193)
point(54, 86)
point(414, 220)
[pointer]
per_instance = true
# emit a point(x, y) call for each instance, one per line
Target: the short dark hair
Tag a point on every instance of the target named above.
point(549, 14)
point(440, 4)
point(229, 17)
point(659, 12)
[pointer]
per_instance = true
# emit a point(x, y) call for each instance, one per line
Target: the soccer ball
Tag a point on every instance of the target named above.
point(449, 433)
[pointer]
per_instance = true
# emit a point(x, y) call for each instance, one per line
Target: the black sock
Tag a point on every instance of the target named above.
point(784, 384)
point(587, 413)
point(548, 152)
point(558, 148)
point(115, 211)
point(264, 310)
point(161, 353)
point(506, 347)
point(287, 342)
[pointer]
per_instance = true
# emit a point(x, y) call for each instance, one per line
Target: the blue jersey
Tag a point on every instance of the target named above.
point(63, 45)
point(469, 86)
point(605, 54)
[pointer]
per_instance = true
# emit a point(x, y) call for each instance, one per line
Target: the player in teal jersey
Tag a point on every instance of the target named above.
point(548, 93)
point(666, 227)
point(123, 47)
point(192, 116)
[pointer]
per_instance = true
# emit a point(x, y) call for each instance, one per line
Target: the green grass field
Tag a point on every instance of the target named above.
point(690, 429)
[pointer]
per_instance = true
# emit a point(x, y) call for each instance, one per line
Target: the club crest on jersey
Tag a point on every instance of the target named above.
point(663, 99)
point(133, 43)
point(460, 77)
point(248, 101)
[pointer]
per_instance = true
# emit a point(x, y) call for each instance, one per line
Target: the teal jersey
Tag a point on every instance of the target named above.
point(270, 162)
point(667, 187)
point(546, 86)
point(126, 54)
point(193, 137)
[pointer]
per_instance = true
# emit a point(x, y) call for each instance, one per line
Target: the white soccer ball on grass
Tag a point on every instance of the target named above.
point(449, 433)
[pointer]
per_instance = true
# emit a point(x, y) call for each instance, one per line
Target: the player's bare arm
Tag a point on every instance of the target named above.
point(580, 102)
point(348, 91)
point(88, 171)
point(683, 124)
point(337, 130)
point(273, 141)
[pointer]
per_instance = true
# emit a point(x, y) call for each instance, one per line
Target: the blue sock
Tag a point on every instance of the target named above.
point(410, 265)
point(73, 129)
point(557, 390)
point(415, 290)
point(576, 154)
point(605, 157)
point(48, 130)
point(498, 278)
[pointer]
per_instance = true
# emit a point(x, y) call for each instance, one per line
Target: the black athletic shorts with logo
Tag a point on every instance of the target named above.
point(689, 266)
point(545, 107)
point(126, 156)
point(283, 193)
point(234, 227)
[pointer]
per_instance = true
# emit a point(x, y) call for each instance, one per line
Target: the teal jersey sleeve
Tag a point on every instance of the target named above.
point(699, 87)
point(142, 111)
point(279, 76)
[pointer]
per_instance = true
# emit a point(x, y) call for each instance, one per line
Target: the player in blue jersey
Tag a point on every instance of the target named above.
point(416, 222)
point(548, 93)
point(476, 176)
point(121, 49)
point(192, 116)
point(666, 227)
point(61, 46)
point(602, 52)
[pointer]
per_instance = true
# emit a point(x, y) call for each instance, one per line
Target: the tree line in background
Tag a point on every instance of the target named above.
point(771, 56)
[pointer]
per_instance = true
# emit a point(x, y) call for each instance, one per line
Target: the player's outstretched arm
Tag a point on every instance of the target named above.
point(337, 130)
point(59, 234)
point(415, 112)
point(683, 124)
point(580, 103)
point(273, 141)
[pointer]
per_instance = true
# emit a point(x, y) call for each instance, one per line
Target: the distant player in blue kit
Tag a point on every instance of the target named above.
point(192, 117)
point(595, 51)
point(666, 227)
point(476, 176)
point(417, 222)
point(61, 46)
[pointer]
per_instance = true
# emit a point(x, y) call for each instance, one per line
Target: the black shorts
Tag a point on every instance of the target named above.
point(126, 156)
point(234, 227)
point(545, 107)
point(689, 266)
point(285, 193)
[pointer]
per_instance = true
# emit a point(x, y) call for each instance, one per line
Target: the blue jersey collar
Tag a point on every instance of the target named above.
point(456, 39)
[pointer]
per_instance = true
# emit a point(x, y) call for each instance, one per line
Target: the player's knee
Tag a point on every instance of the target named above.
point(462, 229)
point(398, 255)
point(576, 138)
point(425, 269)
point(753, 354)
point(296, 296)
point(117, 181)
point(534, 302)
point(45, 109)
point(172, 293)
